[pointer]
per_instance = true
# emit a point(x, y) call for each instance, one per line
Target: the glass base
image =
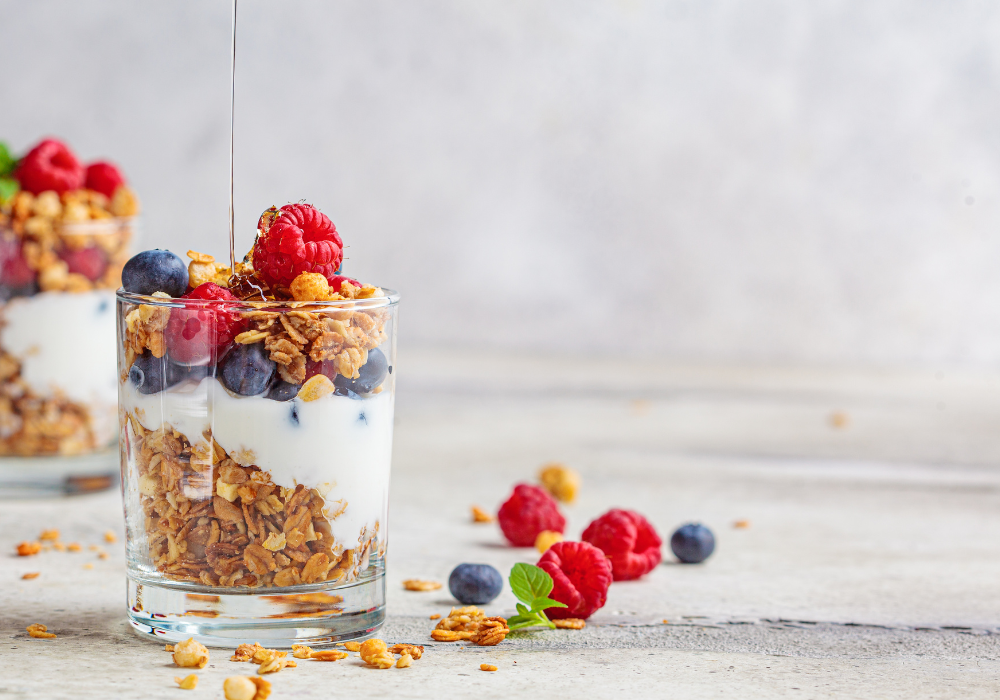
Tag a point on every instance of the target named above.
point(33, 477)
point(314, 615)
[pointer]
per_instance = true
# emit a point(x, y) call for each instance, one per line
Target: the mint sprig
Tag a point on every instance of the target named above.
point(7, 161)
point(531, 586)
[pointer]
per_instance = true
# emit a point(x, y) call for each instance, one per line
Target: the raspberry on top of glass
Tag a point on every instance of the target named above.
point(65, 229)
point(64, 226)
point(255, 409)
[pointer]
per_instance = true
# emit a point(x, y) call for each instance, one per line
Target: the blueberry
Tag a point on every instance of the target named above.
point(283, 391)
point(155, 271)
point(346, 392)
point(247, 370)
point(26, 290)
point(692, 543)
point(475, 584)
point(372, 374)
point(151, 375)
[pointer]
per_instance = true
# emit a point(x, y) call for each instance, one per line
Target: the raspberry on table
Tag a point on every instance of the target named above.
point(629, 541)
point(50, 166)
point(297, 238)
point(196, 334)
point(529, 511)
point(103, 177)
point(581, 575)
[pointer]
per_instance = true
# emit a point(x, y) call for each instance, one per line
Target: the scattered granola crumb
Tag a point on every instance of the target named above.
point(570, 623)
point(480, 516)
point(666, 622)
point(74, 547)
point(169, 647)
point(352, 646)
point(300, 651)
point(414, 651)
point(256, 653)
point(404, 661)
point(461, 623)
point(88, 565)
point(375, 653)
point(487, 667)
point(560, 481)
point(189, 682)
point(243, 688)
point(101, 554)
point(27, 549)
point(547, 538)
point(30, 575)
point(275, 665)
point(110, 537)
point(491, 632)
point(839, 419)
point(39, 631)
point(49, 535)
point(190, 654)
point(435, 616)
point(416, 584)
point(59, 546)
point(741, 524)
point(327, 655)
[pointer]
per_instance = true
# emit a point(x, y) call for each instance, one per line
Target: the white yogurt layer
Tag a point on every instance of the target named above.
point(65, 342)
point(340, 446)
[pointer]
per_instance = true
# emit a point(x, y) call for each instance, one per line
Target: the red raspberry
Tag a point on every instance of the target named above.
point(526, 513)
point(300, 239)
point(103, 177)
point(195, 335)
point(49, 166)
point(89, 262)
point(629, 541)
point(581, 575)
point(14, 271)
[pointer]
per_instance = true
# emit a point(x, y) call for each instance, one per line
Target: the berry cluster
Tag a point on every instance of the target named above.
point(64, 226)
point(620, 545)
point(296, 256)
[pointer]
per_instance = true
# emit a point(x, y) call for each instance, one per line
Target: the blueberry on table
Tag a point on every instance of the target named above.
point(372, 373)
point(475, 584)
point(247, 370)
point(151, 375)
point(692, 543)
point(155, 271)
point(283, 391)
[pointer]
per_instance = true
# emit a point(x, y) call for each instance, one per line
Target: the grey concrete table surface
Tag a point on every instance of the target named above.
point(869, 568)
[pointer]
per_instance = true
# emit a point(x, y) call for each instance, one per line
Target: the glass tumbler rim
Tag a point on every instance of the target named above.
point(391, 298)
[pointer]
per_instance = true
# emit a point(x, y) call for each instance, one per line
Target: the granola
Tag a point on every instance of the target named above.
point(470, 623)
point(211, 521)
point(39, 631)
point(416, 584)
point(244, 688)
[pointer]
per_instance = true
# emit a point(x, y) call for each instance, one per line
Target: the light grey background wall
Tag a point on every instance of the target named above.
point(811, 182)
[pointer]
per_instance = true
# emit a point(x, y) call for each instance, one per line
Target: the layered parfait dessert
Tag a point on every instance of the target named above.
point(65, 229)
point(256, 410)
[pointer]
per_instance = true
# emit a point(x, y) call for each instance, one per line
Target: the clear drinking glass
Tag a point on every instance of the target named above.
point(255, 476)
point(58, 385)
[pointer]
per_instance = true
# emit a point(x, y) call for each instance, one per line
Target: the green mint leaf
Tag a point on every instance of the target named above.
point(8, 188)
point(529, 583)
point(539, 604)
point(7, 161)
point(523, 610)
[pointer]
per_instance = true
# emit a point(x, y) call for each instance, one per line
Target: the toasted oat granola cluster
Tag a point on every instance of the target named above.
point(211, 521)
